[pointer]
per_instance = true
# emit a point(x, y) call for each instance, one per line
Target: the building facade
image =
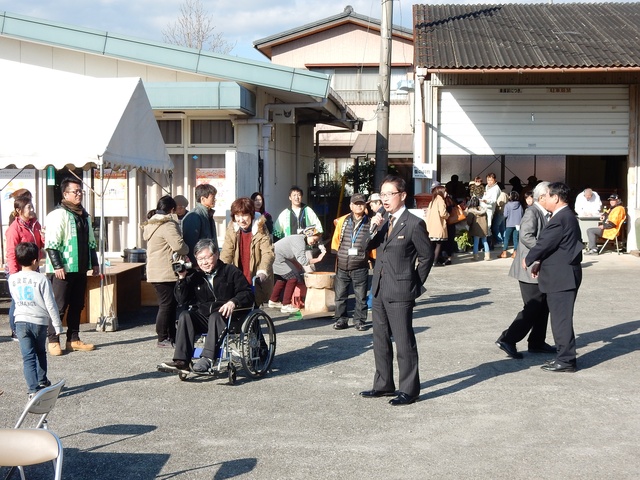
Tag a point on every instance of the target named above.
point(347, 47)
point(529, 90)
point(242, 125)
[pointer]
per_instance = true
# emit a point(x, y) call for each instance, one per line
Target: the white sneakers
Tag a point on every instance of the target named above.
point(275, 304)
point(289, 309)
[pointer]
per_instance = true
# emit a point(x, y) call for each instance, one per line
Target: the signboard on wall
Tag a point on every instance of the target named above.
point(115, 193)
point(423, 170)
point(12, 180)
point(217, 178)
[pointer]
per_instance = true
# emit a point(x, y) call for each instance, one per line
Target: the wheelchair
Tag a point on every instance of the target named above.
point(247, 344)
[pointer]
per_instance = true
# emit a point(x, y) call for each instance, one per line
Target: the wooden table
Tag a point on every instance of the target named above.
point(121, 291)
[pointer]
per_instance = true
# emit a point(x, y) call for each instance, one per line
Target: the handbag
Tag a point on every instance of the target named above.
point(456, 215)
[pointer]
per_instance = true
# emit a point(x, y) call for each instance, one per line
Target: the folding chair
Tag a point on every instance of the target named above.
point(618, 231)
point(41, 404)
point(30, 446)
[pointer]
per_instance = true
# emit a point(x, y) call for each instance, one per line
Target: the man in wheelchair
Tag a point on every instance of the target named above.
point(213, 292)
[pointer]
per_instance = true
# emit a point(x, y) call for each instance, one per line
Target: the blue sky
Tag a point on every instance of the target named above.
point(241, 21)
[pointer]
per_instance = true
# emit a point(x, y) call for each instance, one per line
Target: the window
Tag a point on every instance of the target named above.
point(359, 86)
point(171, 131)
point(211, 132)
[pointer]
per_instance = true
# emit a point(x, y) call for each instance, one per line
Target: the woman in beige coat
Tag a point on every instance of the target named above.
point(247, 245)
point(437, 221)
point(164, 239)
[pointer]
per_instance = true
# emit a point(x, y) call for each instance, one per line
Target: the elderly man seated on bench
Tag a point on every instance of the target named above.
point(214, 291)
point(610, 226)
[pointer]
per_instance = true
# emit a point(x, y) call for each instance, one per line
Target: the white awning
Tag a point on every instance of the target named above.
point(49, 117)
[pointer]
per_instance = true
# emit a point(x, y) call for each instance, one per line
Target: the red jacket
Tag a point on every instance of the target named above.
point(21, 231)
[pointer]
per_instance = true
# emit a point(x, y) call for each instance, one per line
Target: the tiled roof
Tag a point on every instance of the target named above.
point(348, 15)
point(568, 35)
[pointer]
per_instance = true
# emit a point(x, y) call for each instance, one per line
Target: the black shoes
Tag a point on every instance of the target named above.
point(544, 348)
point(554, 366)
point(402, 399)
point(341, 324)
point(376, 394)
point(508, 348)
point(177, 364)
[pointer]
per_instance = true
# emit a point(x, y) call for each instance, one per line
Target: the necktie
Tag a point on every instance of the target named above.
point(547, 217)
point(390, 229)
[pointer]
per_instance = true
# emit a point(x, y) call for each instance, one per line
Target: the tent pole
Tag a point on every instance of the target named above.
point(101, 320)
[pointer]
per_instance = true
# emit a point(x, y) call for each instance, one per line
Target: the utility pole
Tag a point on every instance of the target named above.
point(384, 87)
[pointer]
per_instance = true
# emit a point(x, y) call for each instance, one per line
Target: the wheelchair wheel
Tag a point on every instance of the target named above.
point(258, 339)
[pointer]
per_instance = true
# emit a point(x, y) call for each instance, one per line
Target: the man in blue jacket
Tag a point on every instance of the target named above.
point(199, 224)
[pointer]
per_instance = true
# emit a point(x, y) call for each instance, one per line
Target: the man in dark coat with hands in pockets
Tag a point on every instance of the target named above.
point(555, 261)
point(404, 258)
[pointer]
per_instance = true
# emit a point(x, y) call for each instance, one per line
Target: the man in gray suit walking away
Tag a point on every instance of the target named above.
point(404, 258)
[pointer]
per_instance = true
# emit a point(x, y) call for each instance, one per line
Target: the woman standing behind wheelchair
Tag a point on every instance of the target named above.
point(247, 245)
point(164, 247)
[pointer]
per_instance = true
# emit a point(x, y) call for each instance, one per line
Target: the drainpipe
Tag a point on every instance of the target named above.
point(420, 132)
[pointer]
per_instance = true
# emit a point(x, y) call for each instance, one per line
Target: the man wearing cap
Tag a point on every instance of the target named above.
point(610, 225)
point(588, 203)
point(349, 242)
point(375, 204)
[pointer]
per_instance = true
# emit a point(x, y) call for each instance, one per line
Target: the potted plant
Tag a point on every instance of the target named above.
point(463, 240)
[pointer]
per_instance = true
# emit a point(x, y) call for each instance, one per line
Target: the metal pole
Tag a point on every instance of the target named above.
point(101, 320)
point(382, 135)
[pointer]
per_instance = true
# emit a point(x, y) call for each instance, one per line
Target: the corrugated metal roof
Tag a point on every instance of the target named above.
point(568, 35)
point(400, 145)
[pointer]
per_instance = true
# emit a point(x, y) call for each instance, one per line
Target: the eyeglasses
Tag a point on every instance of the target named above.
point(77, 193)
point(206, 259)
point(388, 195)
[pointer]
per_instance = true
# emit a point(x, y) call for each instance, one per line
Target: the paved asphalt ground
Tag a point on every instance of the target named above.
point(480, 414)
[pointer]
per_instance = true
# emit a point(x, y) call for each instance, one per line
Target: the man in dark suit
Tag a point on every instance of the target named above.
point(535, 314)
point(401, 239)
point(555, 261)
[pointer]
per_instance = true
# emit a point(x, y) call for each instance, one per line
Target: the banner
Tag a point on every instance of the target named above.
point(217, 178)
point(116, 195)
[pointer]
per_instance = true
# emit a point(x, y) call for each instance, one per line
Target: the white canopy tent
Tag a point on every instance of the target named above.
point(50, 117)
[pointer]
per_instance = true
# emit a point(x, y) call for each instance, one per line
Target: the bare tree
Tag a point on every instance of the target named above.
point(194, 28)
